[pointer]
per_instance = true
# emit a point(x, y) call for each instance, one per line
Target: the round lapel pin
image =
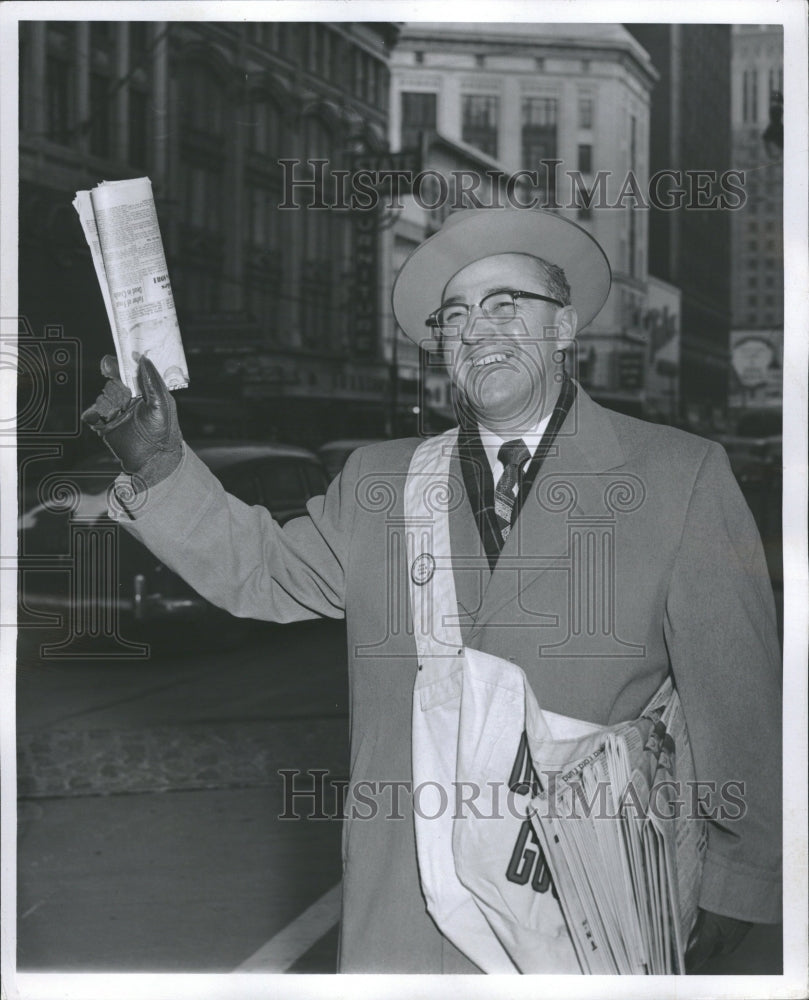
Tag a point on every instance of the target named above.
point(422, 569)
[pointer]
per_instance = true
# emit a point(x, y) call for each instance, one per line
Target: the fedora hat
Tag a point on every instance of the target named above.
point(471, 234)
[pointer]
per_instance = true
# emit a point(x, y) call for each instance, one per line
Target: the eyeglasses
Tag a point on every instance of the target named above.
point(451, 320)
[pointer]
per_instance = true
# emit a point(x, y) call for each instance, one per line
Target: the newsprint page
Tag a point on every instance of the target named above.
point(403, 452)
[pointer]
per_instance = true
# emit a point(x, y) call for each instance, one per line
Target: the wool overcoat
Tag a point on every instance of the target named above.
point(634, 556)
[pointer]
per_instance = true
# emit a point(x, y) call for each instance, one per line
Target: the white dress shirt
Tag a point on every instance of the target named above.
point(492, 443)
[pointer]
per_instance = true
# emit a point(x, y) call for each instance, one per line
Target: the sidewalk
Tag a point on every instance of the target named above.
point(148, 837)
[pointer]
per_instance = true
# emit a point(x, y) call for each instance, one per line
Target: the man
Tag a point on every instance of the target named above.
point(681, 588)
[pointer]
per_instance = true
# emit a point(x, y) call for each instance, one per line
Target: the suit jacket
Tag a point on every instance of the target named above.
point(634, 555)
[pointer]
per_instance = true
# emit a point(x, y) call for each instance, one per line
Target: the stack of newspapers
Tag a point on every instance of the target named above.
point(624, 853)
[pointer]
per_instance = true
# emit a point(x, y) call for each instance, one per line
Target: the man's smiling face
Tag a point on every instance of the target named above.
point(504, 368)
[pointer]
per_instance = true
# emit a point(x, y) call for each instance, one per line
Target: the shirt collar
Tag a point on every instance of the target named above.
point(491, 443)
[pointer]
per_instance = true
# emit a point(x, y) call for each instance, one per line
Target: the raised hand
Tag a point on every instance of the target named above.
point(142, 432)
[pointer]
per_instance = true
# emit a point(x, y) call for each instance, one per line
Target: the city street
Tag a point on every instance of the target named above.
point(570, 235)
point(148, 830)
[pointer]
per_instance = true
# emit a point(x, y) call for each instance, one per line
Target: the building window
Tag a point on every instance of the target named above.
point(138, 44)
point(199, 288)
point(313, 49)
point(360, 70)
point(286, 40)
point(327, 48)
point(746, 96)
point(203, 197)
point(264, 127)
point(769, 300)
point(539, 140)
point(100, 114)
point(585, 112)
point(418, 115)
point(59, 98)
point(633, 224)
point(60, 81)
point(264, 219)
point(203, 105)
point(753, 95)
point(585, 158)
point(101, 36)
point(752, 300)
point(479, 122)
point(138, 128)
point(320, 253)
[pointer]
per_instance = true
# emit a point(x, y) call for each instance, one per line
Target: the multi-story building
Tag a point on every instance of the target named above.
point(571, 102)
point(757, 260)
point(689, 246)
point(268, 299)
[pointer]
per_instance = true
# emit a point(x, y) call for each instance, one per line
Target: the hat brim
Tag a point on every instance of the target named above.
point(472, 234)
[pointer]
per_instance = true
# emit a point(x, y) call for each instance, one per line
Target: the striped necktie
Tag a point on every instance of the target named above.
point(513, 455)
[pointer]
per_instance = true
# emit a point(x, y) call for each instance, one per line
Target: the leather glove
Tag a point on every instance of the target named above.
point(713, 935)
point(142, 433)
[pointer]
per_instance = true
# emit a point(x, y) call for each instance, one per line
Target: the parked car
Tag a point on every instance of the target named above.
point(334, 454)
point(54, 559)
point(755, 446)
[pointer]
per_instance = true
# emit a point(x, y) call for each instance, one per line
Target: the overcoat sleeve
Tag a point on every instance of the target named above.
point(237, 556)
point(721, 633)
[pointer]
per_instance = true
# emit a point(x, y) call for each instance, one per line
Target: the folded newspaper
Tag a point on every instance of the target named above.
point(625, 856)
point(120, 225)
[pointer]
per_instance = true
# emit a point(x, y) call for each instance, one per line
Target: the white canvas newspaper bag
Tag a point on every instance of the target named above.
point(469, 714)
point(483, 874)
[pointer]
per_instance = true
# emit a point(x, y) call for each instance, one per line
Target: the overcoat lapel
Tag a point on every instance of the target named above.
point(469, 562)
point(567, 486)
